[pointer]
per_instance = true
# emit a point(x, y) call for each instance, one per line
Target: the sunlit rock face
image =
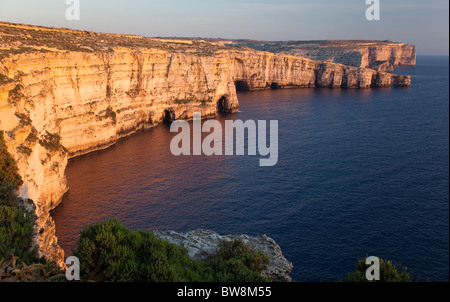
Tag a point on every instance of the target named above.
point(379, 55)
point(64, 93)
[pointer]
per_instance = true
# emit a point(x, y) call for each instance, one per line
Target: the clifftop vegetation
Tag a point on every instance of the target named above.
point(21, 38)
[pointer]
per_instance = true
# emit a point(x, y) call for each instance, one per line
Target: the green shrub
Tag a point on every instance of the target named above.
point(237, 262)
point(388, 272)
point(110, 252)
point(10, 180)
point(16, 224)
point(16, 232)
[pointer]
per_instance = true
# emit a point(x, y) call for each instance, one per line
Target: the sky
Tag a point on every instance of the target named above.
point(424, 23)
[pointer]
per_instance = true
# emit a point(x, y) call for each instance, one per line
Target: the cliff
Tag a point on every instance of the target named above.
point(202, 244)
point(64, 93)
point(379, 55)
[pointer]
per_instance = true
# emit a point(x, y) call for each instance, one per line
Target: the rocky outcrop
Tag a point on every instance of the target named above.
point(202, 244)
point(263, 70)
point(402, 81)
point(379, 55)
point(64, 93)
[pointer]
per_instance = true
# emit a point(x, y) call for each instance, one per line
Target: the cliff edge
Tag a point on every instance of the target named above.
point(64, 93)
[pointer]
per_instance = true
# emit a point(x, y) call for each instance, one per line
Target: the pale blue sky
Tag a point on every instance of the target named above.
point(424, 23)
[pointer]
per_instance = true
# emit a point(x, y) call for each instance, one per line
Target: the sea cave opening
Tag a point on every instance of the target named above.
point(241, 85)
point(275, 86)
point(169, 116)
point(222, 104)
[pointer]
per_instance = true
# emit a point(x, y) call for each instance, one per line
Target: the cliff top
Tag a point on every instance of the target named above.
point(345, 44)
point(379, 55)
point(348, 44)
point(20, 38)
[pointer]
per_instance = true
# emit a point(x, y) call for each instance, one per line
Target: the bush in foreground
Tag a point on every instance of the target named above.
point(110, 252)
point(237, 262)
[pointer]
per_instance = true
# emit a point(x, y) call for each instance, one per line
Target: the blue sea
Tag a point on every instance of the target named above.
point(360, 172)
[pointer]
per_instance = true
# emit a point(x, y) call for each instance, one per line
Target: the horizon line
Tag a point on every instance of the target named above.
point(219, 38)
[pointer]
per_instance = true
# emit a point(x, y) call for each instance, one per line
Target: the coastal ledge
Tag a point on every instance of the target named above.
point(201, 244)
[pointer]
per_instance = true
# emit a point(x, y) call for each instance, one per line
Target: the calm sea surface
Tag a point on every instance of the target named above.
point(359, 172)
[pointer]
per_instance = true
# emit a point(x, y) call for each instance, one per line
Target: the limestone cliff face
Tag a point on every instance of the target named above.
point(263, 70)
point(62, 105)
point(379, 55)
point(61, 99)
point(370, 55)
point(395, 53)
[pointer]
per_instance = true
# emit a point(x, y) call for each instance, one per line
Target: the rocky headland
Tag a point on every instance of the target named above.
point(378, 55)
point(202, 244)
point(65, 93)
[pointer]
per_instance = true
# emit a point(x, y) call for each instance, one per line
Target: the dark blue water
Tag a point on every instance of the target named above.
point(359, 172)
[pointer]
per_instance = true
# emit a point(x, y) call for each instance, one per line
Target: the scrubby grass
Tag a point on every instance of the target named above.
point(204, 102)
point(183, 101)
point(110, 252)
point(51, 141)
point(237, 262)
point(111, 114)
